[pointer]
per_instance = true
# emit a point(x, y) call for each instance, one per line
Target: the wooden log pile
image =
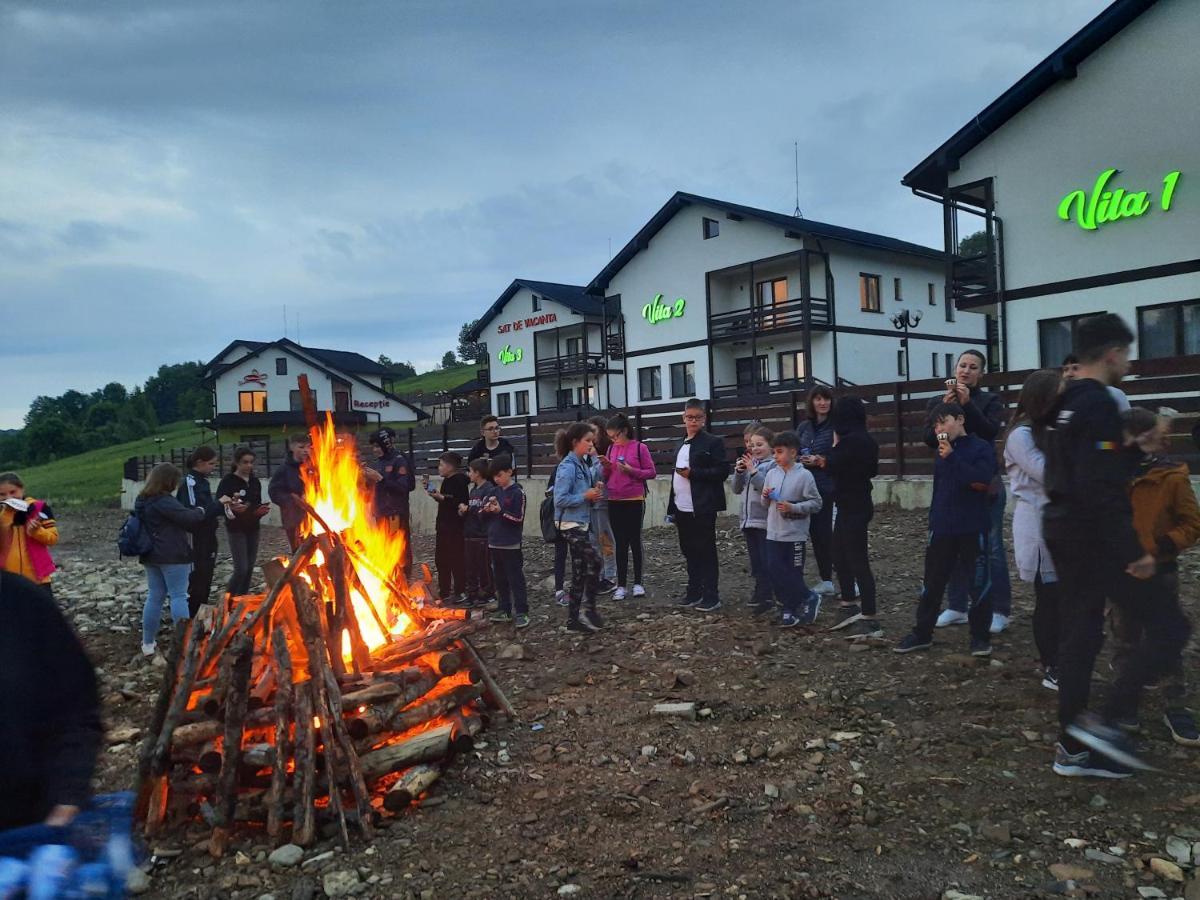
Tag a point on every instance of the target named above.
point(275, 714)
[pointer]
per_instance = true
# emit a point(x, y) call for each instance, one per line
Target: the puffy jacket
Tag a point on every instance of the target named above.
point(960, 488)
point(796, 487)
point(572, 479)
point(753, 512)
point(817, 439)
point(1166, 516)
point(632, 485)
point(392, 490)
point(709, 469)
point(29, 554)
point(170, 524)
point(285, 483)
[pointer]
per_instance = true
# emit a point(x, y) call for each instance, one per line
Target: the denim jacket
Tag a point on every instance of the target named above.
point(572, 480)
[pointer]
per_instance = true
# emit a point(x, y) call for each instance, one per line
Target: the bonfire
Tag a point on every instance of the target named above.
point(332, 699)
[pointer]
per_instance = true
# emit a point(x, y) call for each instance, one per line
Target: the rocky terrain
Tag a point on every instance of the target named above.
point(788, 764)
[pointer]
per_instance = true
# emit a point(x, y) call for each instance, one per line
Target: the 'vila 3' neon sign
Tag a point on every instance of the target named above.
point(1103, 205)
point(656, 311)
point(508, 355)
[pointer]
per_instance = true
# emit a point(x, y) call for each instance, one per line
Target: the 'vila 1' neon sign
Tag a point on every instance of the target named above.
point(1102, 205)
point(508, 355)
point(656, 311)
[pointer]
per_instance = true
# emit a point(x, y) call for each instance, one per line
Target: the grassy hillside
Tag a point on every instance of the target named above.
point(95, 476)
point(438, 380)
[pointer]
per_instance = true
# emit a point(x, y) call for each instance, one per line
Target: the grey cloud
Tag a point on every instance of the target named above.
point(83, 234)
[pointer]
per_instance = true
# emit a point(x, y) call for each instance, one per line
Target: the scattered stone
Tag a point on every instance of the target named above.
point(684, 678)
point(567, 890)
point(1097, 802)
point(137, 882)
point(1076, 843)
point(341, 883)
point(999, 832)
point(675, 710)
point(286, 856)
point(1179, 850)
point(543, 753)
point(1070, 872)
point(842, 736)
point(959, 895)
point(649, 750)
point(575, 679)
point(771, 791)
point(313, 861)
point(741, 756)
point(1100, 856)
point(778, 749)
point(1166, 869)
point(513, 651)
point(1150, 892)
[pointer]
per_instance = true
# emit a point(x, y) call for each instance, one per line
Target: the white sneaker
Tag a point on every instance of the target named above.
point(999, 623)
point(951, 617)
point(619, 594)
point(639, 591)
point(149, 649)
point(825, 588)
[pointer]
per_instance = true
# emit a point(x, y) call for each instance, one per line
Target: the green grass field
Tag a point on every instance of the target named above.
point(439, 380)
point(95, 477)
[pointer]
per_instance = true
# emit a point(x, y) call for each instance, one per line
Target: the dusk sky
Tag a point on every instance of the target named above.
point(173, 174)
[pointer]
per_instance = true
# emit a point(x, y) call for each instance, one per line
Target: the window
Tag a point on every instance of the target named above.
point(791, 366)
point(587, 396)
point(522, 402)
point(1170, 329)
point(933, 365)
point(746, 370)
point(1056, 338)
point(341, 401)
point(711, 228)
point(537, 303)
point(574, 346)
point(950, 365)
point(868, 292)
point(949, 304)
point(683, 379)
point(650, 383)
point(281, 365)
point(295, 404)
point(563, 398)
point(932, 294)
point(901, 369)
point(503, 405)
point(896, 289)
point(768, 294)
point(252, 401)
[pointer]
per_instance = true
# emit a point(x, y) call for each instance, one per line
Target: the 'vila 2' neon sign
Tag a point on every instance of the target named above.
point(508, 355)
point(656, 311)
point(1102, 206)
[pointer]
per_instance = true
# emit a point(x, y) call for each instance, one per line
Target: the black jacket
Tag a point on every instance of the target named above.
point(171, 525)
point(455, 489)
point(1087, 475)
point(504, 448)
point(984, 414)
point(709, 469)
point(50, 730)
point(286, 481)
point(196, 493)
point(852, 464)
point(391, 492)
point(960, 488)
point(250, 493)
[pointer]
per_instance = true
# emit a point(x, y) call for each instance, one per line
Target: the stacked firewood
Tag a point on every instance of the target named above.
point(261, 719)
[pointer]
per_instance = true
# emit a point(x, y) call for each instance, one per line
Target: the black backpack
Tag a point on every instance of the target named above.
point(134, 538)
point(546, 513)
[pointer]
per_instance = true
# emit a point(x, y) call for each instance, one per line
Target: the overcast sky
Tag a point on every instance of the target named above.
point(173, 174)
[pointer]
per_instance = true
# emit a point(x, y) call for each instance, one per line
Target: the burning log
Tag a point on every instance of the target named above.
point(304, 824)
point(466, 726)
point(283, 706)
point(427, 746)
point(420, 713)
point(492, 694)
point(240, 658)
point(411, 785)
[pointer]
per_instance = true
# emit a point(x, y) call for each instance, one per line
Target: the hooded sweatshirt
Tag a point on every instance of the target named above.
point(797, 488)
point(854, 461)
point(1166, 516)
point(752, 512)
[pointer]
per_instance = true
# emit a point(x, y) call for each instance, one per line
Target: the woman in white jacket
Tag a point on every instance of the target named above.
point(1025, 464)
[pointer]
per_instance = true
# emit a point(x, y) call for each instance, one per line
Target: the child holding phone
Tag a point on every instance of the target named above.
point(749, 476)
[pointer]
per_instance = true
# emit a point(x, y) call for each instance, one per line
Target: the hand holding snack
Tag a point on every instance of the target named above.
point(945, 448)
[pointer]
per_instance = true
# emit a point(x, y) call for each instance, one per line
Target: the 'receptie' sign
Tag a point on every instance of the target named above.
point(372, 404)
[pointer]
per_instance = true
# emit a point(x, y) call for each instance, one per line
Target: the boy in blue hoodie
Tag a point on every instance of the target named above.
point(959, 529)
point(504, 512)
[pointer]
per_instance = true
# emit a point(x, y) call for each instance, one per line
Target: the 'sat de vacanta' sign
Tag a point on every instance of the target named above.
point(531, 322)
point(508, 355)
point(1108, 204)
point(656, 311)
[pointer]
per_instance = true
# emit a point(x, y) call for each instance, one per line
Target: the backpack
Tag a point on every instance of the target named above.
point(546, 513)
point(134, 538)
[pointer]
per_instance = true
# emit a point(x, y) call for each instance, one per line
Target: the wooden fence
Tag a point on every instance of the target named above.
point(895, 416)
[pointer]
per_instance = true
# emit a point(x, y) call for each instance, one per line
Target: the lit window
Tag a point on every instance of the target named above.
point(252, 401)
point(868, 292)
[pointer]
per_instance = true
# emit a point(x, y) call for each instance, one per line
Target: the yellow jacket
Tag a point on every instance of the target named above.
point(27, 549)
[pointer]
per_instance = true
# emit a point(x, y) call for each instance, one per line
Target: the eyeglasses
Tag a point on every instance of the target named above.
point(491, 428)
point(695, 418)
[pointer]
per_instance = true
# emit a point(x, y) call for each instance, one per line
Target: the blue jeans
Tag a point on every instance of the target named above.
point(756, 549)
point(956, 593)
point(162, 581)
point(785, 567)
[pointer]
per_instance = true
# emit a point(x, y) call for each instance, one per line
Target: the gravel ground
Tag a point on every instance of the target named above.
point(813, 769)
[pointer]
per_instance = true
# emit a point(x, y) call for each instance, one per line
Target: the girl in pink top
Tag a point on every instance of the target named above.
point(627, 467)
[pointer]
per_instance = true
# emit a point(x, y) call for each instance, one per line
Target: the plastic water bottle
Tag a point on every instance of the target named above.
point(50, 870)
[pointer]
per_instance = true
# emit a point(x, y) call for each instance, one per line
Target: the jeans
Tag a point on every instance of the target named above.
point(243, 548)
point(602, 539)
point(698, 543)
point(508, 566)
point(478, 568)
point(449, 558)
point(1151, 630)
point(851, 559)
point(1047, 620)
point(964, 556)
point(585, 570)
point(998, 567)
point(785, 568)
point(204, 560)
point(756, 549)
point(820, 533)
point(169, 580)
point(626, 517)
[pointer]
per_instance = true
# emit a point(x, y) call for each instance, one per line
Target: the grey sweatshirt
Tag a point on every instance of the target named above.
point(797, 487)
point(753, 511)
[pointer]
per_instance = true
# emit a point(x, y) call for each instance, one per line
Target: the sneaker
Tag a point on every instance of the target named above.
point(521, 621)
point(605, 586)
point(582, 624)
point(709, 605)
point(847, 615)
point(1050, 679)
point(684, 602)
point(825, 588)
point(863, 629)
point(951, 617)
point(639, 591)
point(500, 616)
point(788, 620)
point(810, 608)
point(594, 617)
point(1182, 727)
point(1084, 765)
point(999, 623)
point(911, 642)
point(1106, 741)
point(148, 650)
point(762, 608)
point(619, 594)
point(1128, 724)
point(980, 647)
point(462, 601)
point(561, 598)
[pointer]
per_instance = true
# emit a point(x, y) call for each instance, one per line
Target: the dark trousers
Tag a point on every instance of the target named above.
point(997, 566)
point(698, 543)
point(756, 549)
point(204, 552)
point(785, 568)
point(561, 553)
point(625, 516)
point(508, 568)
point(293, 537)
point(243, 549)
point(478, 568)
point(1047, 620)
point(585, 570)
point(820, 535)
point(1151, 630)
point(965, 555)
point(851, 559)
point(450, 559)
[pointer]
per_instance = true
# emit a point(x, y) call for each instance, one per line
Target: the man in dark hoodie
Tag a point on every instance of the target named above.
point(50, 730)
point(1088, 527)
point(196, 493)
point(287, 484)
point(394, 480)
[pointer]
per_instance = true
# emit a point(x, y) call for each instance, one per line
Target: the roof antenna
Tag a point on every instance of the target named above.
point(610, 249)
point(285, 321)
point(796, 148)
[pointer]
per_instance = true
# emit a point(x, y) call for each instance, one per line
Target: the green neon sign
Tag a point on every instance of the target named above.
point(1103, 205)
point(508, 355)
point(656, 311)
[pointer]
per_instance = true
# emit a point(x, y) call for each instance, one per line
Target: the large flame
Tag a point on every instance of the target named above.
point(334, 486)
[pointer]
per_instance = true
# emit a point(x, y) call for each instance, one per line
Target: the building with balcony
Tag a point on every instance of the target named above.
point(1075, 191)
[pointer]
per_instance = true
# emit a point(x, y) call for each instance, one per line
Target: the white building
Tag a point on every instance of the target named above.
point(1085, 178)
point(256, 389)
point(714, 299)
